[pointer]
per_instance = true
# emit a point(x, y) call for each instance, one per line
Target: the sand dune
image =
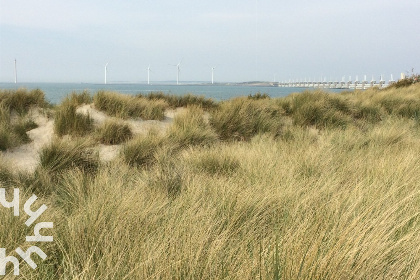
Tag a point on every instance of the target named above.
point(26, 157)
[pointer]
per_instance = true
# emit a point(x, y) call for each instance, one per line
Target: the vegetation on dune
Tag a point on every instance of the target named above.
point(61, 155)
point(14, 119)
point(191, 129)
point(407, 81)
point(67, 121)
point(140, 151)
point(258, 96)
point(242, 118)
point(325, 110)
point(213, 162)
point(125, 106)
point(59, 158)
point(317, 108)
point(79, 98)
point(188, 129)
point(21, 100)
point(335, 195)
point(114, 132)
point(175, 101)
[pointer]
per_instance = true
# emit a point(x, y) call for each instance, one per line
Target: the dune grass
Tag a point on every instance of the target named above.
point(59, 158)
point(140, 151)
point(325, 110)
point(13, 130)
point(21, 100)
point(69, 122)
point(242, 118)
point(113, 132)
point(215, 163)
point(191, 129)
point(79, 98)
point(14, 122)
point(317, 108)
point(175, 101)
point(125, 106)
point(320, 201)
point(61, 155)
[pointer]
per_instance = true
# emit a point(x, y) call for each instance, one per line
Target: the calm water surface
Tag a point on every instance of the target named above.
point(55, 92)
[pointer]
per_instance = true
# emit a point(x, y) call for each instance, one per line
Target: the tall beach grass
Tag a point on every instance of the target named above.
point(125, 106)
point(175, 101)
point(335, 195)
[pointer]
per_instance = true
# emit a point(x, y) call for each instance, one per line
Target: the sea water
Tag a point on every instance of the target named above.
point(55, 92)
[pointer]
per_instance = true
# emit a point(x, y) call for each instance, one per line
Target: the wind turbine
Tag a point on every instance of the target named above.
point(177, 73)
point(212, 74)
point(105, 70)
point(178, 70)
point(148, 75)
point(15, 72)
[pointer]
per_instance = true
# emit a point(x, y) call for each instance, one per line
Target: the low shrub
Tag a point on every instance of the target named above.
point(406, 82)
point(242, 118)
point(258, 96)
point(113, 132)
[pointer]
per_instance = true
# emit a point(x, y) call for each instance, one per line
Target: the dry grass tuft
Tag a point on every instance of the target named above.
point(113, 132)
point(125, 106)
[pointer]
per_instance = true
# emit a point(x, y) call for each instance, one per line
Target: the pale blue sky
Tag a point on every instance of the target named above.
point(70, 41)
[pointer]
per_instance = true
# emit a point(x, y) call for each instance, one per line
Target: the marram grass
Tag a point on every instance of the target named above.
point(316, 202)
point(112, 132)
point(67, 121)
point(125, 106)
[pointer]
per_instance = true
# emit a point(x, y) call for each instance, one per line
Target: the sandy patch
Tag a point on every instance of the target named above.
point(108, 152)
point(26, 157)
point(138, 126)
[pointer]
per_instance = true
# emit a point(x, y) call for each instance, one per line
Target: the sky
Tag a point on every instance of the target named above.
point(247, 40)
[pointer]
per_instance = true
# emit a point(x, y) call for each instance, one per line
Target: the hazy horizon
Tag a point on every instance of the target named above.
point(246, 41)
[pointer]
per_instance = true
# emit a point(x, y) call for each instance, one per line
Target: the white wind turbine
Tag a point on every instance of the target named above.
point(178, 70)
point(148, 75)
point(106, 70)
point(15, 72)
point(212, 74)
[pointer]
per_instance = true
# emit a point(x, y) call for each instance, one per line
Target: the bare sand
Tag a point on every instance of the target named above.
point(26, 157)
